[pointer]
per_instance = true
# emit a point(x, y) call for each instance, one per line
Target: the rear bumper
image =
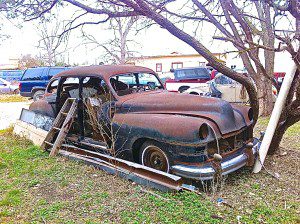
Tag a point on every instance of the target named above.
point(240, 158)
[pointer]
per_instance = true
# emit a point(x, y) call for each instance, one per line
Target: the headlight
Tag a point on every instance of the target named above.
point(203, 131)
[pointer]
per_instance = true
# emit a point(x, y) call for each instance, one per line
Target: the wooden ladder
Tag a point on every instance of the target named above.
point(61, 125)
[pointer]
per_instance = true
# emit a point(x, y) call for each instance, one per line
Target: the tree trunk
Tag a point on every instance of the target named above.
point(265, 95)
point(279, 132)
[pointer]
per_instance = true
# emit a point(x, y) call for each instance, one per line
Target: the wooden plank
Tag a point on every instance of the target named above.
point(28, 131)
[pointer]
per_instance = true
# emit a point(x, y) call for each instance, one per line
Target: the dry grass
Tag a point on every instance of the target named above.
point(37, 189)
point(7, 98)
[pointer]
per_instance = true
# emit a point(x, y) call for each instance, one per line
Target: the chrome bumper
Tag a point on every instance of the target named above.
point(229, 164)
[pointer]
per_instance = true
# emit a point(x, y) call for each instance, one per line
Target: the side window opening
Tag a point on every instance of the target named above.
point(125, 84)
point(53, 86)
point(92, 87)
point(32, 74)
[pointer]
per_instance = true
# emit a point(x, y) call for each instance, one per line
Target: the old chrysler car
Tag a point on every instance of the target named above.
point(191, 136)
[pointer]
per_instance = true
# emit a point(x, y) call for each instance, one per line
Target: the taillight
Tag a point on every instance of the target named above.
point(20, 86)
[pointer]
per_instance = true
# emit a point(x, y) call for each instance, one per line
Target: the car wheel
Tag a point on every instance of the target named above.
point(16, 91)
point(38, 95)
point(153, 156)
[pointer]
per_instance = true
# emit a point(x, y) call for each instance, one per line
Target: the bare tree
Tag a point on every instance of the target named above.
point(28, 61)
point(251, 27)
point(117, 48)
point(51, 44)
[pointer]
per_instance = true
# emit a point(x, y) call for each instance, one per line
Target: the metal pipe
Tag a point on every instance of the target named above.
point(276, 113)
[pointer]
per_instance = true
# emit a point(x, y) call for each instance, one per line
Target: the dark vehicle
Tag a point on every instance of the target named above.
point(185, 78)
point(12, 76)
point(191, 136)
point(34, 80)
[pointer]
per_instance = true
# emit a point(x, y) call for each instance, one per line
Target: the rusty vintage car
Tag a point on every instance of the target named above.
point(190, 136)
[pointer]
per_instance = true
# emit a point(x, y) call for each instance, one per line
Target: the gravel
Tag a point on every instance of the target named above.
point(10, 112)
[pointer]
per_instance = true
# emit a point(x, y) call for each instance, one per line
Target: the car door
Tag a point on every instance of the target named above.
point(33, 77)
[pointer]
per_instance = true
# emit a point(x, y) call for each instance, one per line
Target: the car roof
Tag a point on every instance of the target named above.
point(104, 71)
point(48, 67)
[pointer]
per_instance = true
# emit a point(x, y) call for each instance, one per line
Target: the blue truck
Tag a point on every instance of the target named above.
point(34, 80)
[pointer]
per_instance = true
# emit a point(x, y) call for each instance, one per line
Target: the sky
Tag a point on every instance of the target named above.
point(153, 41)
point(24, 40)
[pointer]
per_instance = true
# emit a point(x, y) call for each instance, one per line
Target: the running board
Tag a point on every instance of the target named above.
point(125, 169)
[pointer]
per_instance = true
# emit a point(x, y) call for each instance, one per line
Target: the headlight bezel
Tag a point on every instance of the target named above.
point(203, 131)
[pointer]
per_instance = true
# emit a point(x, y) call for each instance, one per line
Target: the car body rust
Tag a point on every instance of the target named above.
point(170, 121)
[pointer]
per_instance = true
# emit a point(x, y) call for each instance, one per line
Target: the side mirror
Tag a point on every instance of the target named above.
point(172, 70)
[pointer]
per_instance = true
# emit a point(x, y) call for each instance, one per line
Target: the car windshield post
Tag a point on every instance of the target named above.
point(80, 109)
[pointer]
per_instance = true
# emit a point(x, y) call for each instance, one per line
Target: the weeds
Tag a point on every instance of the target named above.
point(37, 189)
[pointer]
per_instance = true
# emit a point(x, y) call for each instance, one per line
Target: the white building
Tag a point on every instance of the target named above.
point(163, 63)
point(10, 64)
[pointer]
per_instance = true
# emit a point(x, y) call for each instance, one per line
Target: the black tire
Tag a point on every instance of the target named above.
point(153, 156)
point(38, 95)
point(16, 91)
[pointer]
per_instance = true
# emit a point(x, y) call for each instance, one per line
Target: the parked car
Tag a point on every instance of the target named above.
point(35, 80)
point(185, 78)
point(7, 87)
point(191, 136)
point(225, 88)
point(222, 87)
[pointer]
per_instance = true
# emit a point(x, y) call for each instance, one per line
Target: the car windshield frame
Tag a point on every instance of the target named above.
point(115, 92)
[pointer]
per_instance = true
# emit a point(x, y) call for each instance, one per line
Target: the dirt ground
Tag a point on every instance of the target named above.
point(37, 189)
point(10, 112)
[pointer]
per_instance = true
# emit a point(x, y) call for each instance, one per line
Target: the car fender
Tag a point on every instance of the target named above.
point(168, 128)
point(42, 107)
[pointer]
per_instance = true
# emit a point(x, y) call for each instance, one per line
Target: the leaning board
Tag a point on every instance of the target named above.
point(26, 130)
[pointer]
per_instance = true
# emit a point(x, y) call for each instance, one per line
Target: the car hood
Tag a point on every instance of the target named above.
point(227, 118)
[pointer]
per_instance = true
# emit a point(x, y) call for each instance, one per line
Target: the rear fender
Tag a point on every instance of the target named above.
point(42, 107)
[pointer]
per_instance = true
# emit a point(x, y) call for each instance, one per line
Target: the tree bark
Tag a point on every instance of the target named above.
point(265, 95)
point(145, 10)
